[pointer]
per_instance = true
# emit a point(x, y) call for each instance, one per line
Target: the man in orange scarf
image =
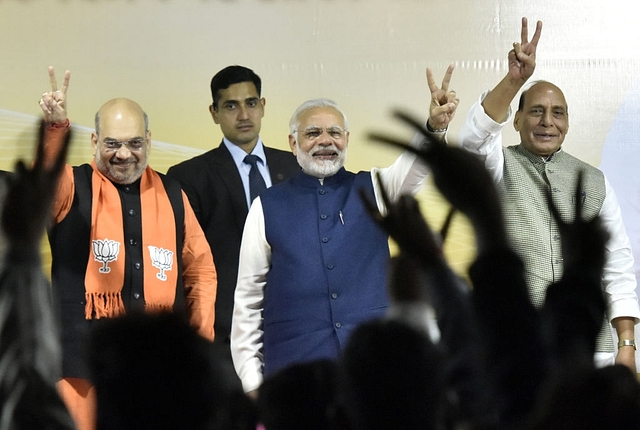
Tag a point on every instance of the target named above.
point(124, 239)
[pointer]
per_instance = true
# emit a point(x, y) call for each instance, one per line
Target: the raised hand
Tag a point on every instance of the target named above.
point(404, 222)
point(443, 102)
point(583, 241)
point(461, 178)
point(29, 352)
point(522, 58)
point(420, 275)
point(54, 102)
point(26, 206)
point(575, 306)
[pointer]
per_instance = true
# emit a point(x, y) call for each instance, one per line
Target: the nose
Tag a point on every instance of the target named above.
point(324, 138)
point(546, 119)
point(243, 112)
point(123, 152)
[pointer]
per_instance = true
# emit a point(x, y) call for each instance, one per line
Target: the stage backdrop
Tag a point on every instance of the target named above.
point(368, 55)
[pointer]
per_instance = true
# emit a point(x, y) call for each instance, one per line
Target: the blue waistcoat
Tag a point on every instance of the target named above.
point(328, 267)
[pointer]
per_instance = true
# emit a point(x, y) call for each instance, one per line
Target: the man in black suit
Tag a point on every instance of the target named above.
point(217, 182)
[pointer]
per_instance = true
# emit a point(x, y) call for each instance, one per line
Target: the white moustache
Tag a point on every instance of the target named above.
point(331, 148)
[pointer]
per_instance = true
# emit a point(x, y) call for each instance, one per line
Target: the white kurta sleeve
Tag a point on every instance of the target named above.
point(405, 176)
point(618, 277)
point(482, 136)
point(246, 325)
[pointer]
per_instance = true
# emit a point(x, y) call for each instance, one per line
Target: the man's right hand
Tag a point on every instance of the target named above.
point(54, 102)
point(522, 58)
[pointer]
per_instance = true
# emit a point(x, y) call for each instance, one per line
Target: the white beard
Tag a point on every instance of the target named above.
point(320, 168)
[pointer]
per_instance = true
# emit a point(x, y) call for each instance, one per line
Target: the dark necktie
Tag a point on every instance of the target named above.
point(256, 181)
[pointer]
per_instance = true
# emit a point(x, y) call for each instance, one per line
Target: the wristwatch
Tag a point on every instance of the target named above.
point(627, 342)
point(435, 130)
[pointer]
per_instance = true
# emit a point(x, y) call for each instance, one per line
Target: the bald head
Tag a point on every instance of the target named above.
point(539, 85)
point(121, 141)
point(121, 106)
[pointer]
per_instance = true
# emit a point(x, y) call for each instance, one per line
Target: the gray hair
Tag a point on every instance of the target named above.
point(311, 104)
point(144, 115)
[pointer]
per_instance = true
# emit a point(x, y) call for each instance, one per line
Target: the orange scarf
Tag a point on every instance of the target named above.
point(104, 276)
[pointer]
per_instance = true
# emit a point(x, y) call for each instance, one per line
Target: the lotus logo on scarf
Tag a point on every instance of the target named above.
point(161, 259)
point(105, 251)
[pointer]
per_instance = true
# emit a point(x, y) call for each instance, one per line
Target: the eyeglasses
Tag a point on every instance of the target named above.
point(312, 133)
point(132, 144)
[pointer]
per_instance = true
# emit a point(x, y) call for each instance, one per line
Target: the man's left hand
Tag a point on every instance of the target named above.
point(443, 102)
point(627, 356)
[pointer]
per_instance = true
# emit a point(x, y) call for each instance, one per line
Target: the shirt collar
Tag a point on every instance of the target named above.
point(238, 153)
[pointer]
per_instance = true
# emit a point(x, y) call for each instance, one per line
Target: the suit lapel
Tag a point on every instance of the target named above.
point(228, 173)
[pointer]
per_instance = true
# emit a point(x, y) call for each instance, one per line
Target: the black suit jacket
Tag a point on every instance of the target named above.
point(214, 188)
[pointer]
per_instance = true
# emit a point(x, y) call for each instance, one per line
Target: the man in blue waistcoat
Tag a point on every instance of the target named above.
point(313, 264)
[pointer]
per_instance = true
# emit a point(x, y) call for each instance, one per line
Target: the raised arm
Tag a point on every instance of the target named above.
point(407, 174)
point(522, 63)
point(56, 125)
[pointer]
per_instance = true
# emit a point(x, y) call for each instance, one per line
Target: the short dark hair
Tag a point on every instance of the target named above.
point(232, 75)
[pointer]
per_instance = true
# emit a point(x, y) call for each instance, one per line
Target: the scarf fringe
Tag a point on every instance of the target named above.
point(103, 305)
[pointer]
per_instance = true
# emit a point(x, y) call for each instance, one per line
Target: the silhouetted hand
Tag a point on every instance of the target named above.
point(462, 179)
point(583, 241)
point(575, 306)
point(420, 275)
point(31, 190)
point(404, 222)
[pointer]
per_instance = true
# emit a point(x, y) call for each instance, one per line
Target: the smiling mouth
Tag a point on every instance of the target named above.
point(325, 155)
point(123, 165)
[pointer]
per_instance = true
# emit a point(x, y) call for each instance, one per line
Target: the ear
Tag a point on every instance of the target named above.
point(346, 139)
point(94, 142)
point(516, 121)
point(148, 141)
point(214, 114)
point(292, 144)
point(263, 102)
